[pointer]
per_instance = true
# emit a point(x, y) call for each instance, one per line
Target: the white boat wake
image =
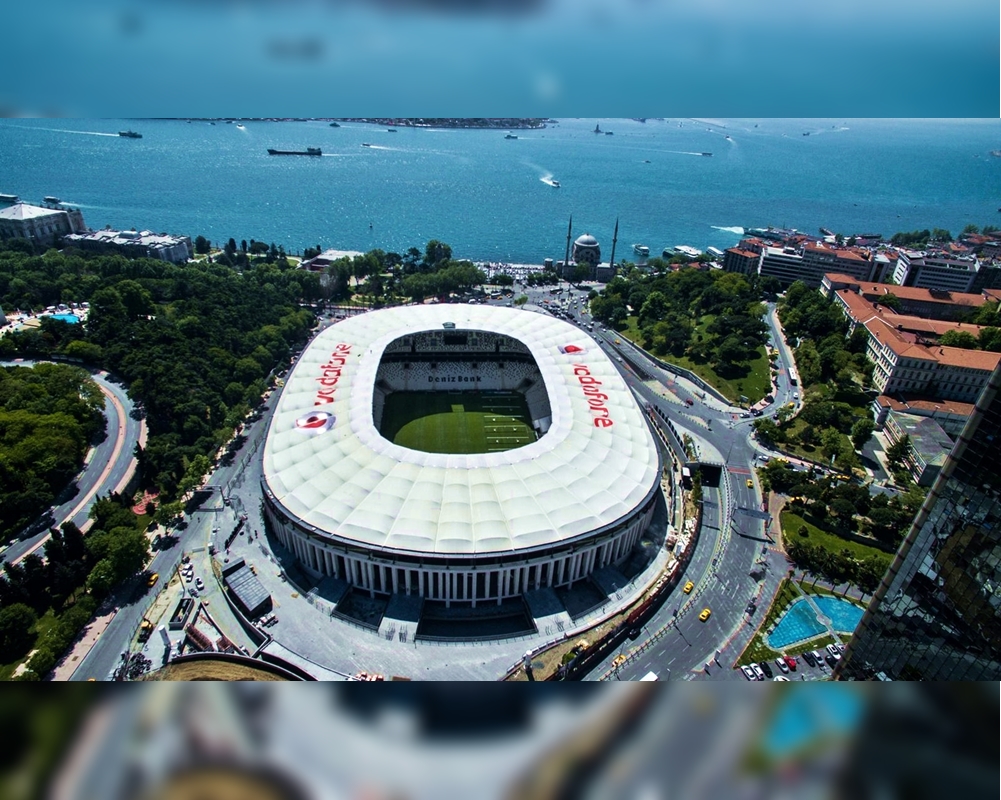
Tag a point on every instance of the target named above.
point(735, 229)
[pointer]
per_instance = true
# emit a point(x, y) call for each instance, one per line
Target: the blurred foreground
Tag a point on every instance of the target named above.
point(213, 741)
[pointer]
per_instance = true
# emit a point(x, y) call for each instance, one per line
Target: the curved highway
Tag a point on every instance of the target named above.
point(109, 464)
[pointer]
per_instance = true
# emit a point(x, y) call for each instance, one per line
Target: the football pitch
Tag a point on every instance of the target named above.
point(457, 422)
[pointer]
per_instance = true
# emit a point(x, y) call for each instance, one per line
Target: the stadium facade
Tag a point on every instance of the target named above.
point(469, 527)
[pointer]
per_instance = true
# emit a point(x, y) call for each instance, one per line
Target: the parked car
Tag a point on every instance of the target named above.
point(200, 584)
point(833, 649)
point(832, 661)
point(809, 659)
point(767, 669)
point(748, 673)
point(781, 665)
point(780, 678)
point(790, 662)
point(759, 674)
point(817, 657)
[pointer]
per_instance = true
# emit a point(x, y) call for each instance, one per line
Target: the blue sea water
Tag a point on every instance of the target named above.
point(487, 196)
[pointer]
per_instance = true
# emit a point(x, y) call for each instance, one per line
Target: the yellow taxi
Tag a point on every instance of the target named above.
point(750, 484)
point(619, 660)
point(688, 587)
point(152, 579)
point(705, 614)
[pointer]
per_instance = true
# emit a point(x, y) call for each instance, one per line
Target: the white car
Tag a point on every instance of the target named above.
point(795, 395)
point(748, 673)
point(833, 650)
point(200, 584)
point(187, 577)
point(759, 673)
point(781, 664)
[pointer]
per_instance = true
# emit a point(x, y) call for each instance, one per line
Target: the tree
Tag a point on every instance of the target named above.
point(955, 338)
point(16, 623)
point(831, 443)
point(808, 435)
point(202, 245)
point(862, 432)
point(768, 432)
point(435, 252)
point(503, 279)
point(898, 452)
point(890, 300)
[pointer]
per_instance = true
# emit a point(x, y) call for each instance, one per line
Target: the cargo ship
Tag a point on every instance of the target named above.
point(309, 151)
point(130, 134)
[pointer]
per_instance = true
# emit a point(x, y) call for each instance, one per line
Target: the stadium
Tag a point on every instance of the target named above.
point(461, 454)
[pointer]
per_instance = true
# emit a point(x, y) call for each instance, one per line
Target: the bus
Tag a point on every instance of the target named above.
point(793, 377)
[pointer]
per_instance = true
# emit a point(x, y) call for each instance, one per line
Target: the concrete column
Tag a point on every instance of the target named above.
point(449, 585)
point(420, 583)
point(355, 572)
point(395, 580)
point(562, 570)
point(383, 580)
point(469, 594)
point(369, 579)
point(406, 579)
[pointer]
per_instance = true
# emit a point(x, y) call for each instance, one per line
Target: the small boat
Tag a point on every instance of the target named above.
point(51, 199)
point(554, 183)
point(707, 154)
point(130, 135)
point(597, 129)
point(996, 153)
point(390, 130)
point(335, 124)
point(727, 137)
point(609, 133)
point(211, 123)
point(241, 127)
point(646, 160)
point(807, 133)
point(641, 250)
point(366, 144)
point(510, 136)
point(826, 232)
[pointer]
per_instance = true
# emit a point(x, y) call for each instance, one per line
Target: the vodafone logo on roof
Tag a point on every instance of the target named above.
point(572, 349)
point(315, 422)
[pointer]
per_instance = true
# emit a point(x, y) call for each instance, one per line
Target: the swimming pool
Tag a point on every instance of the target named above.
point(72, 319)
point(797, 623)
point(844, 615)
point(800, 622)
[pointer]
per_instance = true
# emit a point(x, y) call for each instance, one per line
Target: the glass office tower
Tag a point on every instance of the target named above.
point(937, 613)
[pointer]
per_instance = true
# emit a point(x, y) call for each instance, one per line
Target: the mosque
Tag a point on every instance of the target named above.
point(587, 252)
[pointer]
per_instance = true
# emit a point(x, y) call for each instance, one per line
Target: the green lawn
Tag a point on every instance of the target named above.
point(791, 523)
point(750, 379)
point(44, 623)
point(457, 422)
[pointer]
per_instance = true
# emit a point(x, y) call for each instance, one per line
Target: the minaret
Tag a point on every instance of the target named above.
point(566, 258)
point(615, 238)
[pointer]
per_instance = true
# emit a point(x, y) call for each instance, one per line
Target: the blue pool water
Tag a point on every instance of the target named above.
point(72, 319)
point(798, 623)
point(844, 616)
point(807, 716)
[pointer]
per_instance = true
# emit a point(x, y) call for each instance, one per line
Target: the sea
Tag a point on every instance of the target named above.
point(494, 199)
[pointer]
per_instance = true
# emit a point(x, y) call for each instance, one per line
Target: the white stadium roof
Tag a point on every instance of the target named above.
point(348, 482)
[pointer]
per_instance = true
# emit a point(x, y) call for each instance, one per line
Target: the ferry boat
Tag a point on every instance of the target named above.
point(9, 198)
point(641, 250)
point(309, 151)
point(510, 136)
point(50, 199)
point(130, 134)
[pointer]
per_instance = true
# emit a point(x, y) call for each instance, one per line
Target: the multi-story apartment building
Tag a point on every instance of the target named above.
point(810, 261)
point(745, 262)
point(933, 269)
point(926, 303)
point(908, 362)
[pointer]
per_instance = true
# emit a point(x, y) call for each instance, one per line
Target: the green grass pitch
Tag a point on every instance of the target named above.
point(457, 422)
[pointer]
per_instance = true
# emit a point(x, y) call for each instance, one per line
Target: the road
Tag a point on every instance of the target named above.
point(733, 540)
point(110, 463)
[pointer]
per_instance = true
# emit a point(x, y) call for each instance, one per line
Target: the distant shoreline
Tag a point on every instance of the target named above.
point(463, 123)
